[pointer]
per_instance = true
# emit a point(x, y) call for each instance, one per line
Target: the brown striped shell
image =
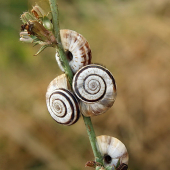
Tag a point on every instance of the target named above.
point(95, 86)
point(61, 102)
point(113, 152)
point(77, 50)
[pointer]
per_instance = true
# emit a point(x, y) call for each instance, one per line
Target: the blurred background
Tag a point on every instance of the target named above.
point(132, 39)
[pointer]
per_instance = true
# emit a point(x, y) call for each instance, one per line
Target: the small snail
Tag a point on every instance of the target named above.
point(95, 86)
point(113, 151)
point(77, 50)
point(61, 102)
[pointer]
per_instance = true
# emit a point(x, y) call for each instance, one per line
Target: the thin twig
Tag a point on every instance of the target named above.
point(60, 50)
point(92, 138)
point(68, 71)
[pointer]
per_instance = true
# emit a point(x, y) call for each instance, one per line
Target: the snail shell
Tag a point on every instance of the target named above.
point(113, 151)
point(61, 102)
point(95, 86)
point(77, 50)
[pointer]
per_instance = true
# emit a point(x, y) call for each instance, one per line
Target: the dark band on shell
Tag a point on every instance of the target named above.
point(95, 86)
point(63, 107)
point(62, 104)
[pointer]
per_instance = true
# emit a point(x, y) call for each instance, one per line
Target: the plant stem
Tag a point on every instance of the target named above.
point(55, 18)
point(92, 138)
point(59, 49)
point(69, 73)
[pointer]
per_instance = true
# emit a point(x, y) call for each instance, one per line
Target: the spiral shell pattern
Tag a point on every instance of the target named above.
point(95, 86)
point(61, 102)
point(112, 150)
point(77, 50)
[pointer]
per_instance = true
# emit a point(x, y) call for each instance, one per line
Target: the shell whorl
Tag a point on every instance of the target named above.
point(77, 50)
point(112, 150)
point(61, 102)
point(95, 86)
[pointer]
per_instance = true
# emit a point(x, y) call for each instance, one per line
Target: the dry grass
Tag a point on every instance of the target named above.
point(132, 39)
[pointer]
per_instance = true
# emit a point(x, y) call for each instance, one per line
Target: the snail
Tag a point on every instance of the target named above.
point(113, 152)
point(77, 50)
point(95, 86)
point(61, 102)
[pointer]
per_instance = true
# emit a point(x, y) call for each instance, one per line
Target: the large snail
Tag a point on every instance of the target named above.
point(113, 152)
point(95, 86)
point(61, 102)
point(77, 50)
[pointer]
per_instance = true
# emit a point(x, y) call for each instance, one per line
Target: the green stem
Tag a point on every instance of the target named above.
point(55, 18)
point(65, 64)
point(60, 50)
point(92, 138)
point(69, 73)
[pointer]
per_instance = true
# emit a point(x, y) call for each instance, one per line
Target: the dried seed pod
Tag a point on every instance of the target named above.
point(77, 50)
point(122, 166)
point(61, 102)
point(95, 86)
point(113, 152)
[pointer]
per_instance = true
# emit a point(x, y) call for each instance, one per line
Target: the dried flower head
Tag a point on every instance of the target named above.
point(37, 28)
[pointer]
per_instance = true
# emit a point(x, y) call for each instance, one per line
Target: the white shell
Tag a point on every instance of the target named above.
point(95, 86)
point(112, 150)
point(61, 102)
point(77, 45)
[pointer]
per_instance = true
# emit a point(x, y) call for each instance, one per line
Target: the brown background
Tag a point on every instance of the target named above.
point(132, 39)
